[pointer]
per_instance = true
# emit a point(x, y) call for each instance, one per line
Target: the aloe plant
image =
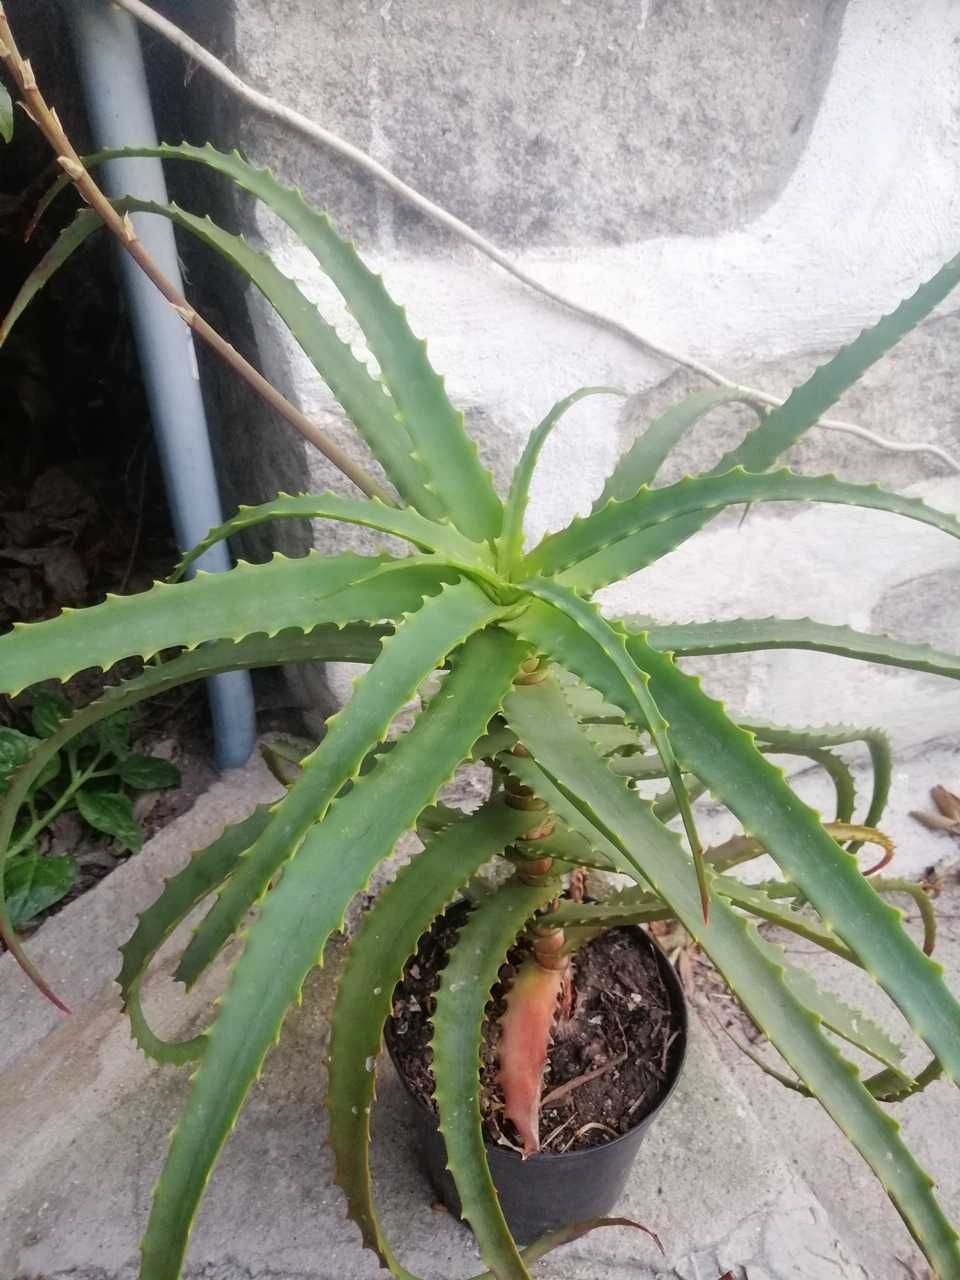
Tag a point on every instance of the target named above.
point(569, 708)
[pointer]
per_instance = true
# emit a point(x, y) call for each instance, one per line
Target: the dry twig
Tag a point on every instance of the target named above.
point(48, 122)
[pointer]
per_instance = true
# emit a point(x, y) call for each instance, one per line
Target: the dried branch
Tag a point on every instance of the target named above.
point(48, 122)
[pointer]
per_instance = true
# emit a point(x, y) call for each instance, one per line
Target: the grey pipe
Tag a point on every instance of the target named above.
point(117, 98)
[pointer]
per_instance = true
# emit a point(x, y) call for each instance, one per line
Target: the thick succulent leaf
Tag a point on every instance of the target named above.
point(386, 938)
point(349, 643)
point(886, 1085)
point(420, 645)
point(812, 741)
point(574, 633)
point(622, 740)
point(297, 918)
point(744, 635)
point(246, 600)
point(642, 461)
point(726, 758)
point(760, 902)
point(365, 400)
point(648, 765)
point(63, 248)
point(836, 769)
point(618, 821)
point(405, 523)
point(783, 426)
point(43, 650)
point(912, 889)
point(204, 873)
point(851, 1024)
point(480, 950)
point(601, 647)
point(597, 540)
point(511, 540)
point(458, 483)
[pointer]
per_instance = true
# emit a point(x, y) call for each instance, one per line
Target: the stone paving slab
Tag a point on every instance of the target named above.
point(731, 1178)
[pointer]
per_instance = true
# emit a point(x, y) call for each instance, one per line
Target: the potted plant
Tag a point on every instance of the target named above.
point(571, 711)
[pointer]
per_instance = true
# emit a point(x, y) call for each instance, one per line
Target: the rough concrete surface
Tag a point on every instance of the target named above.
point(488, 106)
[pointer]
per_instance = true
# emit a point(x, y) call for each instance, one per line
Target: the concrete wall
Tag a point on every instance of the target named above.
point(749, 183)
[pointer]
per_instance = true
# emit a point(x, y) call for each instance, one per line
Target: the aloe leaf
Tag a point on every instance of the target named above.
point(807, 403)
point(620, 823)
point(744, 635)
point(48, 649)
point(421, 644)
point(885, 1086)
point(836, 770)
point(455, 482)
point(406, 523)
point(386, 938)
point(784, 426)
point(511, 540)
point(459, 485)
point(351, 643)
point(465, 985)
point(597, 540)
point(921, 900)
point(600, 652)
point(726, 758)
point(642, 461)
point(366, 402)
point(852, 1024)
point(66, 244)
point(649, 766)
point(204, 873)
point(246, 600)
point(758, 902)
point(621, 740)
point(814, 739)
point(297, 918)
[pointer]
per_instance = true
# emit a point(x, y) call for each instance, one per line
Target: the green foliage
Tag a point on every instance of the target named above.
point(33, 883)
point(573, 712)
point(40, 779)
point(6, 115)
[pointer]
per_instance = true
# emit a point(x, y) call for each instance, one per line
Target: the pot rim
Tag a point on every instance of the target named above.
point(678, 1002)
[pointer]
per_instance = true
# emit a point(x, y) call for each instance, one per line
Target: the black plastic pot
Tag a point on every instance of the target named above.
point(547, 1191)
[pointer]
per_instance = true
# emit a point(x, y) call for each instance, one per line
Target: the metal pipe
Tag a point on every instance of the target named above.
point(116, 93)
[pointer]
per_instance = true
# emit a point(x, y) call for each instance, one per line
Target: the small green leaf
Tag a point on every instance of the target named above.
point(148, 773)
point(49, 709)
point(111, 813)
point(6, 115)
point(113, 735)
point(16, 748)
point(33, 883)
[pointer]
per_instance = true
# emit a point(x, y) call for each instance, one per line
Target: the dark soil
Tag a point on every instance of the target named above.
point(622, 1027)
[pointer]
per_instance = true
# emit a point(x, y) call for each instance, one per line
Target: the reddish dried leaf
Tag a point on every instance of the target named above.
point(524, 1039)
